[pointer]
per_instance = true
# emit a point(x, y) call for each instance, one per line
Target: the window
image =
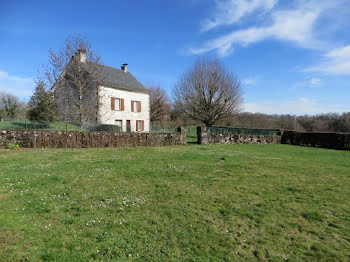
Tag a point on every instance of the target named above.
point(140, 125)
point(135, 106)
point(117, 104)
point(119, 123)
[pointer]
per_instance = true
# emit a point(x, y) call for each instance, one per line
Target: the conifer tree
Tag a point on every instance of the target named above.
point(42, 106)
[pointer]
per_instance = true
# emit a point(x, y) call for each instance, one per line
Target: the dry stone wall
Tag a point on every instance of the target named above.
point(206, 137)
point(77, 139)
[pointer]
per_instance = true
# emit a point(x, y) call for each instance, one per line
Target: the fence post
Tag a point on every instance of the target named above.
point(66, 135)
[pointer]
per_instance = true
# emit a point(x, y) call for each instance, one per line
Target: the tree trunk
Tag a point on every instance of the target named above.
point(81, 109)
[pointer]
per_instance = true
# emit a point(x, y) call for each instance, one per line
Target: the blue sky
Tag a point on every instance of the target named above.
point(292, 56)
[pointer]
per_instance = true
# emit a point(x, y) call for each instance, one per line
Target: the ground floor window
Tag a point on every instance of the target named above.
point(119, 123)
point(140, 125)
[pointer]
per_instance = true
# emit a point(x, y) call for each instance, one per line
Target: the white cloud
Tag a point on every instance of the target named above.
point(310, 83)
point(335, 62)
point(292, 25)
point(297, 23)
point(16, 85)
point(315, 81)
point(232, 11)
point(300, 106)
point(250, 81)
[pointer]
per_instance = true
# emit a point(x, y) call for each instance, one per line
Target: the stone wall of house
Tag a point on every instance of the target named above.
point(325, 140)
point(206, 137)
point(108, 116)
point(77, 139)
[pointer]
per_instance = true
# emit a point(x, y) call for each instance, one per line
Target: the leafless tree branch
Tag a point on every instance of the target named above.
point(159, 103)
point(73, 81)
point(207, 92)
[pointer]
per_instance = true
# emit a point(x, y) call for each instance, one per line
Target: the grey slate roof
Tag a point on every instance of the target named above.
point(115, 78)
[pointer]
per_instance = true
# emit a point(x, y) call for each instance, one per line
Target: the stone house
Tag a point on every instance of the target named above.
point(109, 96)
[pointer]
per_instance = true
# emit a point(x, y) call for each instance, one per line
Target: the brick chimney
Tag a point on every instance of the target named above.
point(124, 68)
point(81, 53)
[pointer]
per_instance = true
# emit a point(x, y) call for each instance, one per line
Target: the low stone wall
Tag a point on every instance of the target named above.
point(77, 139)
point(206, 137)
point(325, 140)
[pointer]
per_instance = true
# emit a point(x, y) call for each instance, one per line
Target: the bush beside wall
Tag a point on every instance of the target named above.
point(77, 139)
point(325, 140)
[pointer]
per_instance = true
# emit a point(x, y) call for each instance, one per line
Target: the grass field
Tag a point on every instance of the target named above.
point(22, 124)
point(185, 203)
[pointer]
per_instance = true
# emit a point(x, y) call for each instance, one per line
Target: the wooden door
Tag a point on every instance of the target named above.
point(128, 126)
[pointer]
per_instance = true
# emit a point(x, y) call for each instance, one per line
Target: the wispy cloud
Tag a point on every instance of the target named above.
point(335, 62)
point(300, 106)
point(232, 11)
point(16, 85)
point(296, 24)
point(250, 81)
point(313, 82)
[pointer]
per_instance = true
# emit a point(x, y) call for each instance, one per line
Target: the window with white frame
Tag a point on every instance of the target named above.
point(139, 125)
point(119, 123)
point(117, 104)
point(135, 106)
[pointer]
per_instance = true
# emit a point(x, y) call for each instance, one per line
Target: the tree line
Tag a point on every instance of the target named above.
point(206, 93)
point(164, 111)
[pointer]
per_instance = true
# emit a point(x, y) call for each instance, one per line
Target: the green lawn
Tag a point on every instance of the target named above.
point(191, 134)
point(185, 203)
point(22, 124)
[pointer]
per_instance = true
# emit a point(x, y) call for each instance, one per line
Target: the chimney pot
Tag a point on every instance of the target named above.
point(82, 55)
point(124, 68)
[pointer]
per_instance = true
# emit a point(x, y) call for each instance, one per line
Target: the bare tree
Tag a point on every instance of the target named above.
point(9, 105)
point(59, 60)
point(207, 92)
point(72, 72)
point(159, 103)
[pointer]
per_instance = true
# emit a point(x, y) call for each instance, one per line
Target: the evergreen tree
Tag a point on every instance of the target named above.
point(42, 106)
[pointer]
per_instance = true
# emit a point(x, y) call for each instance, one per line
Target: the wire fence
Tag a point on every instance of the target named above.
point(163, 128)
point(53, 126)
point(32, 125)
point(14, 124)
point(168, 127)
point(246, 131)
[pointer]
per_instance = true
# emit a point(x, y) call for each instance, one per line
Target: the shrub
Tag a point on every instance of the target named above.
point(12, 146)
point(111, 128)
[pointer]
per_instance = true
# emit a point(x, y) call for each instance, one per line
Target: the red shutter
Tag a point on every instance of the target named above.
point(143, 124)
point(122, 104)
point(112, 103)
point(137, 125)
point(139, 106)
point(132, 106)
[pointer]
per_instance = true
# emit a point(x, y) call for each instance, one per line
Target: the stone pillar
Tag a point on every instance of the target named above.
point(182, 130)
point(203, 135)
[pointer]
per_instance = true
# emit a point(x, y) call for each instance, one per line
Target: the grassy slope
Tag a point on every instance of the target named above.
point(218, 202)
point(21, 124)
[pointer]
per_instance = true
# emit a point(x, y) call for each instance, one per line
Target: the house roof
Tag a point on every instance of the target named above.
point(115, 78)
